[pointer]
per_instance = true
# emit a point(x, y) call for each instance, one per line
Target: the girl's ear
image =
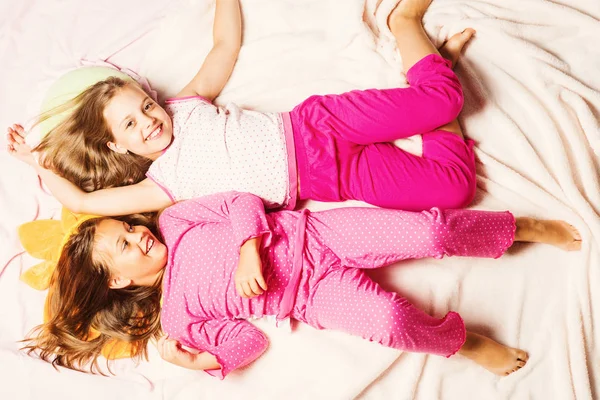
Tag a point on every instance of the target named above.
point(116, 148)
point(119, 283)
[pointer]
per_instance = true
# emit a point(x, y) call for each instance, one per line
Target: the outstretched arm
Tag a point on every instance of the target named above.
point(218, 65)
point(144, 196)
point(141, 197)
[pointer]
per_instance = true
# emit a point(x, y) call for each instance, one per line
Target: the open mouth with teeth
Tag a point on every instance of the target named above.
point(155, 133)
point(149, 244)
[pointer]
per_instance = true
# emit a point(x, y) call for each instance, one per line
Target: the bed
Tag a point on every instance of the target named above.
point(532, 106)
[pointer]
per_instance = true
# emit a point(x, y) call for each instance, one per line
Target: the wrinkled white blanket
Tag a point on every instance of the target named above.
point(532, 105)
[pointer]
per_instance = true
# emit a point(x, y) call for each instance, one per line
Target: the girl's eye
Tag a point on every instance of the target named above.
point(128, 228)
point(129, 124)
point(148, 106)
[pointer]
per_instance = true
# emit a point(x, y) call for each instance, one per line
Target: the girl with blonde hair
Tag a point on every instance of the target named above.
point(119, 152)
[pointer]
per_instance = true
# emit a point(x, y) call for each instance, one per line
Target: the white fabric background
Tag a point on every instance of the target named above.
point(532, 105)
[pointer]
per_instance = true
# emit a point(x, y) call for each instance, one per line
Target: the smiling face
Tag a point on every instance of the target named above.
point(138, 124)
point(134, 254)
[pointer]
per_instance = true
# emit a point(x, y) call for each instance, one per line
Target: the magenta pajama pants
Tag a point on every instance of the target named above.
point(335, 293)
point(343, 147)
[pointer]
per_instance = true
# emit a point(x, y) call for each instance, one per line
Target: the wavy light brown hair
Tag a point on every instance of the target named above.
point(86, 314)
point(76, 148)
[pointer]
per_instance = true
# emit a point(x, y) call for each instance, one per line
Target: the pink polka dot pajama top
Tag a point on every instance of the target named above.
point(312, 263)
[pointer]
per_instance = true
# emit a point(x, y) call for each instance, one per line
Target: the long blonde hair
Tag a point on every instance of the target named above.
point(86, 314)
point(76, 148)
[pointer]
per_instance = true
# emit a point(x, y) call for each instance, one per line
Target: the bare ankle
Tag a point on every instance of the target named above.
point(400, 23)
point(472, 343)
point(527, 229)
point(407, 12)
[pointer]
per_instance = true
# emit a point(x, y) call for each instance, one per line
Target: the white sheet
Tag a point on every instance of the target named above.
point(532, 105)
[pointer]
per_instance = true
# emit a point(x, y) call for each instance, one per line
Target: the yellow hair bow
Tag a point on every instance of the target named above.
point(44, 239)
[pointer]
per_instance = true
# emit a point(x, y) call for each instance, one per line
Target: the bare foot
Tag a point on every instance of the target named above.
point(408, 10)
point(493, 356)
point(556, 233)
point(451, 49)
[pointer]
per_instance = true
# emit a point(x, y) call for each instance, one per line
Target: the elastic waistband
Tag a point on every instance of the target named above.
point(301, 159)
point(288, 132)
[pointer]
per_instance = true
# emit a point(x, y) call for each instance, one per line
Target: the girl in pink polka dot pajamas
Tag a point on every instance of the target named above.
point(224, 260)
point(328, 148)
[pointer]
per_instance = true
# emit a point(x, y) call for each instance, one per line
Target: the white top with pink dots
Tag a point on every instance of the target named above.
point(219, 149)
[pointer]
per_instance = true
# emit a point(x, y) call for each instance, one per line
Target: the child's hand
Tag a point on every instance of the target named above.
point(249, 280)
point(170, 350)
point(16, 145)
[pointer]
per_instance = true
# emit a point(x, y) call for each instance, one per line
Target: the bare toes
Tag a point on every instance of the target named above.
point(458, 40)
point(522, 355)
point(453, 46)
point(468, 33)
point(576, 245)
point(575, 232)
point(576, 242)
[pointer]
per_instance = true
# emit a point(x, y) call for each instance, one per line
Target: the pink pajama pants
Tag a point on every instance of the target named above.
point(335, 293)
point(343, 147)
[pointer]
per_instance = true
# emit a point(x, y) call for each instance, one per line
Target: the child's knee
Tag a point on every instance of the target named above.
point(453, 100)
point(434, 77)
point(461, 191)
point(464, 195)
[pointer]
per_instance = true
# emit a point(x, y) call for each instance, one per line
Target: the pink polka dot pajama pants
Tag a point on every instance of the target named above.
point(335, 293)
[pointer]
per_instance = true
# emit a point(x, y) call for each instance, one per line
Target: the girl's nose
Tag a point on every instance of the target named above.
point(149, 121)
point(136, 235)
